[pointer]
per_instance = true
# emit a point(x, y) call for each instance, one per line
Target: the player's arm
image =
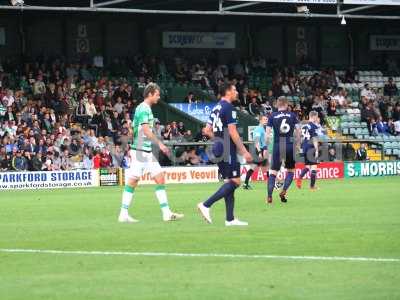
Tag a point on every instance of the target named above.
point(268, 132)
point(208, 131)
point(315, 143)
point(234, 134)
point(297, 136)
point(257, 142)
point(151, 136)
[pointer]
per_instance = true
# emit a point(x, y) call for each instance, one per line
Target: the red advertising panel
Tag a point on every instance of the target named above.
point(326, 170)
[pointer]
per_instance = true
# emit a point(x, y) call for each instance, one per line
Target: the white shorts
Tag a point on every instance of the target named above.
point(142, 163)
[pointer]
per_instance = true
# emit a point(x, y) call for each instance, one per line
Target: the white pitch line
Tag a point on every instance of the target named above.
point(248, 256)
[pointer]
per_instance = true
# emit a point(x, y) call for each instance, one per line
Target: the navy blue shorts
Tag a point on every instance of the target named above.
point(228, 170)
point(287, 155)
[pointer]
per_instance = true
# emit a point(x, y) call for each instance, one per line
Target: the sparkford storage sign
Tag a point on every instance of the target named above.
point(372, 168)
point(48, 180)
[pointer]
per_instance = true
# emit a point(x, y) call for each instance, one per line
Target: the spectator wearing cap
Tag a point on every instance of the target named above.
point(390, 89)
point(19, 162)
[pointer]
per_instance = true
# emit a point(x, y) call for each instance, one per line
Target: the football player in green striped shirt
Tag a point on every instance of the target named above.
point(143, 161)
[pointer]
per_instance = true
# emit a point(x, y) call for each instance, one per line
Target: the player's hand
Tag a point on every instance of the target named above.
point(164, 149)
point(247, 156)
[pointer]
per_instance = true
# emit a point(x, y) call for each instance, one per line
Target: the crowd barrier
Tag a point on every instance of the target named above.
point(183, 175)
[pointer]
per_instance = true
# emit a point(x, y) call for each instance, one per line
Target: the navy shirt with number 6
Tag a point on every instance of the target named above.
point(283, 124)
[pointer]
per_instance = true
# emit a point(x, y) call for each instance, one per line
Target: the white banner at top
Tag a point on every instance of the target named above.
point(293, 1)
point(372, 2)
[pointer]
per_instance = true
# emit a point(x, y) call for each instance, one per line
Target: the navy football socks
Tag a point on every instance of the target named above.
point(288, 181)
point(230, 204)
point(304, 172)
point(271, 184)
point(248, 176)
point(313, 178)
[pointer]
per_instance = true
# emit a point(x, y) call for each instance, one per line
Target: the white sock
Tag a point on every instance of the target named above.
point(163, 200)
point(127, 196)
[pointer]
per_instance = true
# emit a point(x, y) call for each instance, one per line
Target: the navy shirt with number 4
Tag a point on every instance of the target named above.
point(283, 124)
point(223, 114)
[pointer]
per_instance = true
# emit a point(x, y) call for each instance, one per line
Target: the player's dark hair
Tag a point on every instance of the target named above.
point(223, 88)
point(150, 89)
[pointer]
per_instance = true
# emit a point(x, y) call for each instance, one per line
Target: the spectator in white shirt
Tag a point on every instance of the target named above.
point(368, 93)
point(340, 98)
point(119, 106)
point(8, 99)
point(90, 108)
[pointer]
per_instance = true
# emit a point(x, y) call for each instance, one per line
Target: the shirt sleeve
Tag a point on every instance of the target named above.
point(256, 133)
point(230, 115)
point(143, 117)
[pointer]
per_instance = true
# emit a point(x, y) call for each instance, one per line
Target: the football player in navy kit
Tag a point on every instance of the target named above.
point(221, 127)
point(284, 125)
point(310, 149)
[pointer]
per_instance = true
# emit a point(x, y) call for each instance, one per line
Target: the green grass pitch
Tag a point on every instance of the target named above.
point(349, 218)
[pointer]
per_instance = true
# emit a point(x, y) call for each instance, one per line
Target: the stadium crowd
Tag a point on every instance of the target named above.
point(57, 116)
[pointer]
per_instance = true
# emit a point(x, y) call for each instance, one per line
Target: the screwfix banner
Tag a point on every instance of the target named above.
point(384, 42)
point(205, 40)
point(185, 175)
point(326, 170)
point(48, 180)
point(372, 168)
